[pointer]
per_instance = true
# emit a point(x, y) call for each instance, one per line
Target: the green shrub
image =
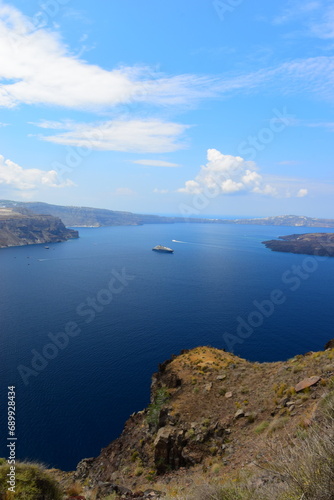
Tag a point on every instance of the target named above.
point(162, 397)
point(261, 427)
point(277, 424)
point(251, 418)
point(74, 490)
point(32, 483)
point(134, 456)
point(139, 471)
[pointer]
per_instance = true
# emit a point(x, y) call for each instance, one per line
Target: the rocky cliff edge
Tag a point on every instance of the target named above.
point(210, 409)
point(17, 229)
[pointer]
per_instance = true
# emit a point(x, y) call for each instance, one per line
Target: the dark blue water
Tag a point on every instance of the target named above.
point(79, 402)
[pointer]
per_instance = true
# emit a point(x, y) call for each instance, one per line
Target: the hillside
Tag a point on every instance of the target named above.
point(87, 216)
point(17, 229)
point(288, 220)
point(218, 427)
point(97, 217)
point(212, 415)
point(321, 244)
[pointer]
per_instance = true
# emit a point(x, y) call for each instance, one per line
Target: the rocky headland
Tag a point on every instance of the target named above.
point(321, 244)
point(217, 427)
point(19, 228)
point(211, 414)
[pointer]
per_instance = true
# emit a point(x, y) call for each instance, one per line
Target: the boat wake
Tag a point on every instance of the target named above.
point(198, 244)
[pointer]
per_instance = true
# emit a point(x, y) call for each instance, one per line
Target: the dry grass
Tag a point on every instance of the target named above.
point(304, 469)
point(33, 482)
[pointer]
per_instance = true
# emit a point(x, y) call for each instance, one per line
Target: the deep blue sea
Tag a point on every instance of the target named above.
point(79, 402)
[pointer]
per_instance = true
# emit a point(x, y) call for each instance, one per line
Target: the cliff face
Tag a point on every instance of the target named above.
point(211, 407)
point(17, 229)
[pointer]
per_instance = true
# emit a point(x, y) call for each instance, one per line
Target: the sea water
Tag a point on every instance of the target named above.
point(118, 310)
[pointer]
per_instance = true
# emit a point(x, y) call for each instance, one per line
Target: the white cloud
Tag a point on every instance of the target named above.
point(302, 192)
point(36, 67)
point(156, 163)
point(299, 187)
point(17, 177)
point(267, 190)
point(226, 175)
point(138, 136)
point(231, 174)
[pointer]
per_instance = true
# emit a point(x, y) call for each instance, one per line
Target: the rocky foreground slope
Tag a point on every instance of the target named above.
point(211, 414)
point(218, 427)
point(17, 229)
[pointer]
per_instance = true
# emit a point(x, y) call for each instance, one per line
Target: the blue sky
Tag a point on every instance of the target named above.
point(192, 107)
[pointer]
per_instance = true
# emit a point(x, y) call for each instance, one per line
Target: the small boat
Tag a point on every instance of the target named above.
point(46, 248)
point(161, 248)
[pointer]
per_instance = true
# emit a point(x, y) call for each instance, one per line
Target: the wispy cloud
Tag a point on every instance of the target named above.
point(327, 125)
point(17, 177)
point(137, 136)
point(296, 10)
point(316, 18)
point(36, 67)
point(160, 191)
point(156, 163)
point(288, 162)
point(324, 27)
point(53, 125)
point(300, 187)
point(76, 15)
point(314, 75)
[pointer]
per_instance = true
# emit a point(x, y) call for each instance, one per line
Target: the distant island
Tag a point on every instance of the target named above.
point(287, 220)
point(98, 217)
point(321, 244)
point(26, 228)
